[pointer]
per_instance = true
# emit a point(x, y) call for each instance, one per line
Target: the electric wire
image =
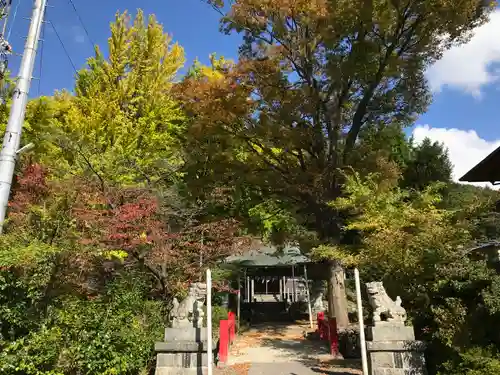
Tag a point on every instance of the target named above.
point(63, 46)
point(81, 21)
point(13, 19)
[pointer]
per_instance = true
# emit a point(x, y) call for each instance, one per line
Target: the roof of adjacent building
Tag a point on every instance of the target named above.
point(487, 170)
point(485, 246)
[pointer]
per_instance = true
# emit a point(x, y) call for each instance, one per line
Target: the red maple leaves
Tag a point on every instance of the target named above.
point(30, 186)
point(165, 234)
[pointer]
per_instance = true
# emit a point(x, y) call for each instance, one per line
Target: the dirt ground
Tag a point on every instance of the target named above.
point(283, 350)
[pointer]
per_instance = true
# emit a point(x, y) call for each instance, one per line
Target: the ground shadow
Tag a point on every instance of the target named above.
point(310, 353)
point(266, 329)
point(329, 371)
point(304, 351)
point(295, 341)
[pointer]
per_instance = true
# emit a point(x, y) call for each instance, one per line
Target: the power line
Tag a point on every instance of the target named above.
point(81, 21)
point(13, 19)
point(63, 46)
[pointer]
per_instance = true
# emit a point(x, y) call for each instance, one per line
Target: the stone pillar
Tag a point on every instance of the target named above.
point(185, 352)
point(390, 344)
point(393, 350)
point(184, 349)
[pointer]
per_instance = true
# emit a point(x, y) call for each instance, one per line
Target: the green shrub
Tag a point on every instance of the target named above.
point(218, 313)
point(475, 361)
point(111, 334)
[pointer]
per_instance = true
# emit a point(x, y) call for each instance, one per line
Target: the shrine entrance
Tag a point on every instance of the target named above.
point(277, 300)
point(277, 286)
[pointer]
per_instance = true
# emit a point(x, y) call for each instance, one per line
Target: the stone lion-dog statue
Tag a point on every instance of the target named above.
point(190, 310)
point(383, 305)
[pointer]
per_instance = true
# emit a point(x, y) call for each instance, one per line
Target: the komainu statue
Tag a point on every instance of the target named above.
point(189, 312)
point(383, 305)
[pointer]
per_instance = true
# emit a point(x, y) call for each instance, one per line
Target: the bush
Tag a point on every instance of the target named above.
point(349, 343)
point(218, 313)
point(475, 361)
point(111, 334)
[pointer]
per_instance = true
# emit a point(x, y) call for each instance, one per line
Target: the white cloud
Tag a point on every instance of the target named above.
point(78, 35)
point(466, 148)
point(470, 67)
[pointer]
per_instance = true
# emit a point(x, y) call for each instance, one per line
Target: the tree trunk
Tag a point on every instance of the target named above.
point(337, 299)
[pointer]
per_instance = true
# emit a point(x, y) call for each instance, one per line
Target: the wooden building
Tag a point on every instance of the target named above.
point(272, 280)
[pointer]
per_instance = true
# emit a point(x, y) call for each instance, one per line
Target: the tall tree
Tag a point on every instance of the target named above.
point(121, 123)
point(311, 76)
point(422, 253)
point(429, 162)
point(99, 236)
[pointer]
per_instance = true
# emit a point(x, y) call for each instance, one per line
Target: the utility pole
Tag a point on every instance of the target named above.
point(12, 138)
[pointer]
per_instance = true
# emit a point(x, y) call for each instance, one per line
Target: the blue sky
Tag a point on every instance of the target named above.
point(192, 23)
point(465, 84)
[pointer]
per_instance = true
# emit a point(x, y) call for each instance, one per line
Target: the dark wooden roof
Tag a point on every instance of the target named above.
point(488, 170)
point(269, 256)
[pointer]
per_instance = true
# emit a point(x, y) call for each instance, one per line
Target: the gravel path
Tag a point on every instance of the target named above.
point(282, 350)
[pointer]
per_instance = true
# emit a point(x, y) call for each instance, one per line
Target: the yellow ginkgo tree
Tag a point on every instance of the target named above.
point(121, 122)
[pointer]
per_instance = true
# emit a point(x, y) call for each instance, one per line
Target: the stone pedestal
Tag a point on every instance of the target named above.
point(184, 352)
point(393, 350)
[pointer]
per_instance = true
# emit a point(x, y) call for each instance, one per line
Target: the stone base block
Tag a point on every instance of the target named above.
point(181, 360)
point(182, 347)
point(395, 371)
point(181, 371)
point(395, 346)
point(186, 334)
point(396, 358)
point(388, 331)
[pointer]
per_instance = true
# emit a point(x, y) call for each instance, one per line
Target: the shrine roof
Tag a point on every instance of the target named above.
point(269, 256)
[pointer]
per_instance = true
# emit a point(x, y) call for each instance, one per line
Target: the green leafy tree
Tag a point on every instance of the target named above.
point(312, 75)
point(99, 237)
point(429, 162)
point(421, 253)
point(477, 208)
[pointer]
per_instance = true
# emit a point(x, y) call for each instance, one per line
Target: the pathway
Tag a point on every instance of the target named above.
point(283, 350)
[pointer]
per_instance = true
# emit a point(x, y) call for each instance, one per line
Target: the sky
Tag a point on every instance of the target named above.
point(465, 82)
